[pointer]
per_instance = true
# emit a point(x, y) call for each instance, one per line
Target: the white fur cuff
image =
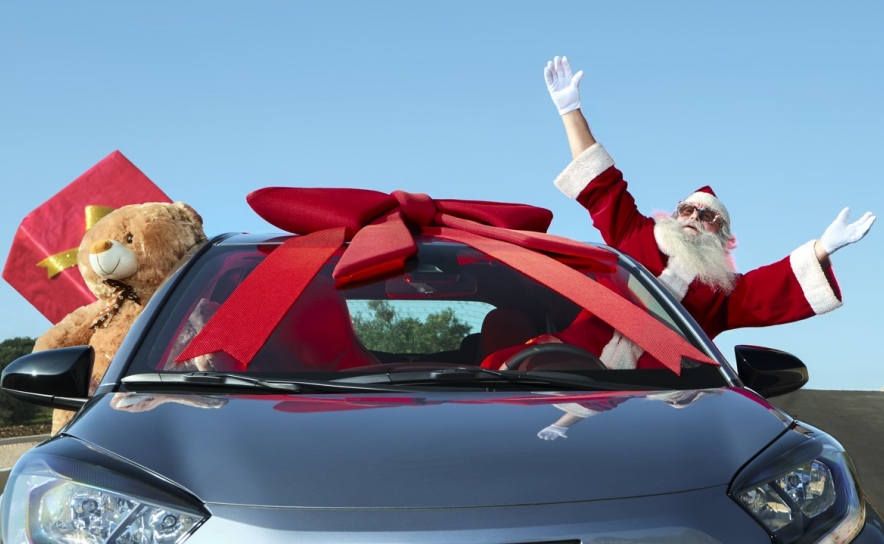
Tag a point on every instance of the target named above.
point(585, 168)
point(576, 410)
point(813, 281)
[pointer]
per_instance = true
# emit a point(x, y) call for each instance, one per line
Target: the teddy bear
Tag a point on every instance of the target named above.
point(123, 258)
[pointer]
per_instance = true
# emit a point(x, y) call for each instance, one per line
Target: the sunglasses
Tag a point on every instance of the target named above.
point(706, 215)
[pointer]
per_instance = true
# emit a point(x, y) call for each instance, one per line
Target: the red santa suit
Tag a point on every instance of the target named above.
point(794, 288)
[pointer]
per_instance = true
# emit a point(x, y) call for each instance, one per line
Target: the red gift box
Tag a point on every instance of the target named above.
point(42, 263)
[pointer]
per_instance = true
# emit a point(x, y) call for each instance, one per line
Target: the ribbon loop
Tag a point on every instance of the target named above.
point(418, 207)
point(306, 210)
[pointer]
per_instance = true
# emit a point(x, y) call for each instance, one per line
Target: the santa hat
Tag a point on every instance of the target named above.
point(707, 198)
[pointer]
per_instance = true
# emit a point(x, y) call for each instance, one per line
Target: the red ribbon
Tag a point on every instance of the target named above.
point(244, 322)
point(380, 229)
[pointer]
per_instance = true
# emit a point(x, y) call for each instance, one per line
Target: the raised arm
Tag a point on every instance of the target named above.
point(564, 88)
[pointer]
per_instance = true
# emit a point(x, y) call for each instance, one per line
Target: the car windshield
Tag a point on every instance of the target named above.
point(453, 311)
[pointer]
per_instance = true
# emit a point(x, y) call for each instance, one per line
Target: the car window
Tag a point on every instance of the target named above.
point(650, 302)
point(451, 305)
point(416, 326)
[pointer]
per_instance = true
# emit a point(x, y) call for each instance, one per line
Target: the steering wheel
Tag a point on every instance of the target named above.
point(592, 361)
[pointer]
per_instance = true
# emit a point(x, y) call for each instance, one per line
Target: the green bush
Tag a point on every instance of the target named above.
point(12, 411)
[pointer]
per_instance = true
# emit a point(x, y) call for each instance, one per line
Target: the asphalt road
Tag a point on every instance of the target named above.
point(854, 418)
point(11, 449)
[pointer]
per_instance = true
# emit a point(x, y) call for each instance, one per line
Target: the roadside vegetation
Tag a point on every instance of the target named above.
point(384, 330)
point(19, 418)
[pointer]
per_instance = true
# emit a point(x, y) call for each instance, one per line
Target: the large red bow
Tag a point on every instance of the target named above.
point(380, 229)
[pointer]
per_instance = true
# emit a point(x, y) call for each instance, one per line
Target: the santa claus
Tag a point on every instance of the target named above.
point(689, 250)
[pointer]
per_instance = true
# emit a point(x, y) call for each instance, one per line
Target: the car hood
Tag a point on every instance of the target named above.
point(433, 451)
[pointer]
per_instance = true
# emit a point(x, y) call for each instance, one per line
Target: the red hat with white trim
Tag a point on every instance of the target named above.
point(707, 198)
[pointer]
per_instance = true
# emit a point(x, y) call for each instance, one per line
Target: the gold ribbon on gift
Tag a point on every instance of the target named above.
point(55, 264)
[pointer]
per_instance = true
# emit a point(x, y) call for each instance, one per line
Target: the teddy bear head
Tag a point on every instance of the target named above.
point(138, 246)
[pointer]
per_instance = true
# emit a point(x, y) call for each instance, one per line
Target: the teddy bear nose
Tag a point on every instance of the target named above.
point(100, 246)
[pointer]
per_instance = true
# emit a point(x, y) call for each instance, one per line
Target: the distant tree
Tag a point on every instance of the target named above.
point(385, 331)
point(14, 411)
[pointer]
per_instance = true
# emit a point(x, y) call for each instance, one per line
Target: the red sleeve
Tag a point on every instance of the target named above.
point(594, 181)
point(791, 289)
point(613, 209)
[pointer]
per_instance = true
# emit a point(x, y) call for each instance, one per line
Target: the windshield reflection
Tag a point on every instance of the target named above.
point(141, 402)
point(575, 412)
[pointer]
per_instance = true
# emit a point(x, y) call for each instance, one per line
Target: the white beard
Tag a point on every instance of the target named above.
point(701, 255)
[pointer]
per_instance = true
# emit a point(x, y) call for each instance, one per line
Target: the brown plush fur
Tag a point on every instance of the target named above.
point(161, 234)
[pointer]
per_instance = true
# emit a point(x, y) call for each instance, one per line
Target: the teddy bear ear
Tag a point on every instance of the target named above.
point(190, 213)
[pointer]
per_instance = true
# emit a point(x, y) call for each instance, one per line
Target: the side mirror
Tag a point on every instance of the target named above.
point(770, 372)
point(56, 378)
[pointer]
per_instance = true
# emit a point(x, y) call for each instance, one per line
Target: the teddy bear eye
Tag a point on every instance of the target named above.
point(129, 238)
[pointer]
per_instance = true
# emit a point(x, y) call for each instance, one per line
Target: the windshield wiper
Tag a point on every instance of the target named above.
point(473, 375)
point(157, 380)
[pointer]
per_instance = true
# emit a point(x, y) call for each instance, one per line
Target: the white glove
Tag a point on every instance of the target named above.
point(564, 88)
point(552, 432)
point(840, 233)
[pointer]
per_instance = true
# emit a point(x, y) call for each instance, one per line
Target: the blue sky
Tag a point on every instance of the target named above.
point(778, 105)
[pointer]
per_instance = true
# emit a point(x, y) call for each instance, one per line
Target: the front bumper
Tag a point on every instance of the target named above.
point(702, 516)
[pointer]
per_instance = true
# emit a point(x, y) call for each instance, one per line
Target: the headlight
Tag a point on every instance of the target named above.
point(816, 500)
point(59, 500)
